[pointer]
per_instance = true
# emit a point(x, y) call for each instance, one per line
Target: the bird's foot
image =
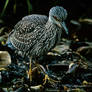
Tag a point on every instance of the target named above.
point(49, 80)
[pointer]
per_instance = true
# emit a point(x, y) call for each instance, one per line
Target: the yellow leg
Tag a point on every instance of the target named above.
point(47, 78)
point(30, 70)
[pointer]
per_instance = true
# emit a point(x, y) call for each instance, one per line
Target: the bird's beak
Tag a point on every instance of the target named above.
point(64, 27)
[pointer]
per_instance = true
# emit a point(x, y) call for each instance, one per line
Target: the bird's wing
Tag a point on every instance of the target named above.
point(28, 40)
point(29, 23)
point(41, 19)
point(25, 26)
point(23, 34)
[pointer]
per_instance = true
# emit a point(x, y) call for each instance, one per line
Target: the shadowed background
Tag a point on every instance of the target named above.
point(11, 11)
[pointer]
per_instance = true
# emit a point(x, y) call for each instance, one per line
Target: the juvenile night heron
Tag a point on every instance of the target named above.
point(36, 35)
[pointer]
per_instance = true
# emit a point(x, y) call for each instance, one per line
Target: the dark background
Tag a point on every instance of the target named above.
point(76, 9)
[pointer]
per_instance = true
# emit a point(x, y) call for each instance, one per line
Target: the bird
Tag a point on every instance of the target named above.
point(34, 36)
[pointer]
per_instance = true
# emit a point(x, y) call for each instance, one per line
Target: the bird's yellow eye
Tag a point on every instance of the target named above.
point(56, 18)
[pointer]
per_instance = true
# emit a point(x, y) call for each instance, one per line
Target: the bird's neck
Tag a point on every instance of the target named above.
point(50, 19)
point(53, 28)
point(50, 25)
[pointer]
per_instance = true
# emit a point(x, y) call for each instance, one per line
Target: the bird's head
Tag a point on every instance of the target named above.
point(57, 15)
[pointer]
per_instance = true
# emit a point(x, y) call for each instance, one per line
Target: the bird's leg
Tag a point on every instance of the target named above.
point(30, 70)
point(46, 78)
